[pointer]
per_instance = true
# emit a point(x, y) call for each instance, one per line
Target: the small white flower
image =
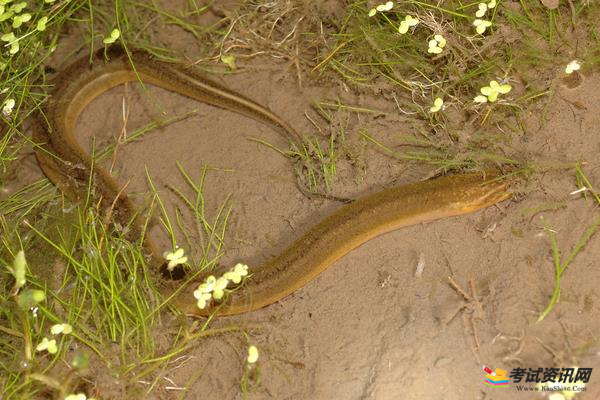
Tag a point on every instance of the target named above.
point(214, 288)
point(481, 25)
point(19, 20)
point(433, 47)
point(494, 89)
point(175, 258)
point(437, 44)
point(220, 287)
point(491, 4)
point(41, 24)
point(207, 286)
point(381, 8)
point(114, 35)
point(48, 345)
point(441, 40)
point(482, 10)
point(572, 67)
point(5, 15)
point(204, 292)
point(202, 299)
point(252, 354)
point(11, 38)
point(241, 269)
point(210, 283)
point(232, 276)
point(8, 106)
point(65, 329)
point(76, 396)
point(408, 22)
point(237, 273)
point(438, 103)
point(18, 7)
point(385, 7)
point(199, 292)
point(490, 93)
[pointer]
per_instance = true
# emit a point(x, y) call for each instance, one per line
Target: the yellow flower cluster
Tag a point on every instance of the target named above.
point(49, 345)
point(490, 93)
point(214, 288)
point(381, 8)
point(78, 396)
point(252, 354)
point(482, 24)
point(408, 22)
point(437, 44)
point(114, 35)
point(175, 258)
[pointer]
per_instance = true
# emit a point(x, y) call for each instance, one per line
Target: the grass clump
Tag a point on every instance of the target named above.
point(88, 275)
point(447, 55)
point(81, 271)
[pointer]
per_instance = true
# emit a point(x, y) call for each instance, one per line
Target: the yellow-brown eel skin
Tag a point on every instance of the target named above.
point(69, 167)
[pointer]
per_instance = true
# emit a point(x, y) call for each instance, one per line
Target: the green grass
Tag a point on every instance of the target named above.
point(99, 283)
point(314, 163)
point(561, 265)
point(105, 291)
point(98, 280)
point(367, 50)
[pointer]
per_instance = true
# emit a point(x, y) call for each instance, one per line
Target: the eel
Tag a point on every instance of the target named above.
point(71, 169)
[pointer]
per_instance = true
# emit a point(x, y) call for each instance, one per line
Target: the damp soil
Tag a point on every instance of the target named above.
point(369, 326)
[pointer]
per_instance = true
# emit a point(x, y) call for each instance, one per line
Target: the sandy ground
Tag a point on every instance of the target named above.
point(368, 328)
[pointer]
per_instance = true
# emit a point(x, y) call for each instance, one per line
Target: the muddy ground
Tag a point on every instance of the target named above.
point(368, 327)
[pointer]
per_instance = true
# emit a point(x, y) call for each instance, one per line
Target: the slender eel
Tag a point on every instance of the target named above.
point(70, 168)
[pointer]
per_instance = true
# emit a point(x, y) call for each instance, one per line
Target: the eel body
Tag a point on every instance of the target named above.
point(69, 167)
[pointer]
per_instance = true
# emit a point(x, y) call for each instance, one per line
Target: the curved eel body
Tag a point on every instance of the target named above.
point(69, 167)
